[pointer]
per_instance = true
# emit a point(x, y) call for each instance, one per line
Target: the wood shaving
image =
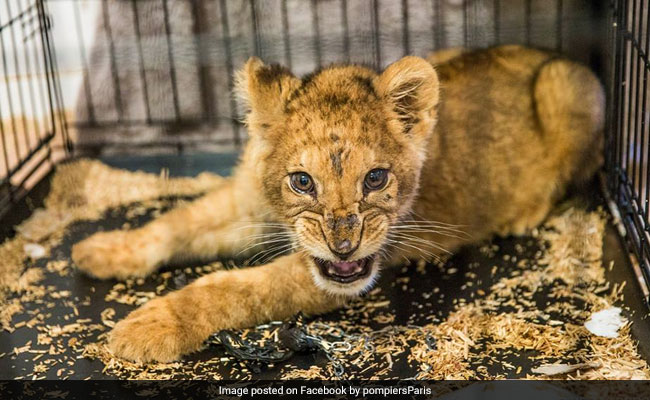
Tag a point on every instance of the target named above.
point(560, 369)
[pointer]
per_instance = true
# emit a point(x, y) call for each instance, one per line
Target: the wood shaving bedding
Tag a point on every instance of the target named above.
point(535, 311)
point(83, 190)
point(571, 265)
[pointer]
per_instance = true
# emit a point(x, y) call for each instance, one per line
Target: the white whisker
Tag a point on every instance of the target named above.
point(425, 252)
point(267, 251)
point(422, 219)
point(278, 253)
point(446, 230)
point(259, 237)
point(427, 228)
point(420, 240)
point(277, 240)
point(432, 232)
point(263, 225)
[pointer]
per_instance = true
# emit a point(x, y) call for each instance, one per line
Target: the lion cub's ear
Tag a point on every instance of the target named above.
point(411, 85)
point(262, 91)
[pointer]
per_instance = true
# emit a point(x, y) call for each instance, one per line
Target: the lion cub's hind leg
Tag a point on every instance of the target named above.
point(529, 219)
point(570, 105)
point(569, 102)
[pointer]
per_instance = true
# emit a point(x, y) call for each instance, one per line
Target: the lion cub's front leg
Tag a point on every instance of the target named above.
point(217, 224)
point(119, 254)
point(176, 324)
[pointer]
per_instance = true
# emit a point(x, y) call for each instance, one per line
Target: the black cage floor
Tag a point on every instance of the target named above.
point(408, 292)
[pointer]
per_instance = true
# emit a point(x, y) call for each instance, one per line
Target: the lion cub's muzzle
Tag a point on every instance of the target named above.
point(343, 234)
point(345, 271)
point(343, 231)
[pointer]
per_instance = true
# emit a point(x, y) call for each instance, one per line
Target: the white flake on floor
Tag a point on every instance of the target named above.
point(606, 322)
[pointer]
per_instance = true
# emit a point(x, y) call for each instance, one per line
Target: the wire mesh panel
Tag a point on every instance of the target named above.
point(629, 138)
point(31, 120)
point(158, 74)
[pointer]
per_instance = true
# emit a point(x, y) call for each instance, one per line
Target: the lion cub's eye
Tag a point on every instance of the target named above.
point(301, 182)
point(376, 179)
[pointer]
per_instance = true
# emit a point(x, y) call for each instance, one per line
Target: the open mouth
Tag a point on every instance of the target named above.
point(345, 271)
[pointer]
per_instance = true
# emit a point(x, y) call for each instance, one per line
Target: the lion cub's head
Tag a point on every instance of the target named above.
point(338, 154)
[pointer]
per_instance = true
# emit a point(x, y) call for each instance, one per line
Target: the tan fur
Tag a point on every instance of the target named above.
point(515, 127)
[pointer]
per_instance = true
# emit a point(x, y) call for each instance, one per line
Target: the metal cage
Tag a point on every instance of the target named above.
point(33, 131)
point(452, 23)
point(144, 71)
point(628, 136)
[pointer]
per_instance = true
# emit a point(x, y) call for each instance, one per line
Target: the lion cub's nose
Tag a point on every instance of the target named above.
point(343, 249)
point(343, 246)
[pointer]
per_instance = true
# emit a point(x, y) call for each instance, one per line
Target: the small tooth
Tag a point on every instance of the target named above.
point(330, 270)
point(357, 268)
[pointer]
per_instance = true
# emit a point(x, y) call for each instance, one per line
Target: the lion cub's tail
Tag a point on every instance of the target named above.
point(570, 105)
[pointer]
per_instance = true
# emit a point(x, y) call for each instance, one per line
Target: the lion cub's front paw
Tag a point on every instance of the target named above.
point(117, 254)
point(152, 333)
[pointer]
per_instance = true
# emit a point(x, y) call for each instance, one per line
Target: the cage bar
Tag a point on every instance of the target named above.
point(29, 75)
point(84, 61)
point(170, 60)
point(315, 26)
point(143, 73)
point(229, 67)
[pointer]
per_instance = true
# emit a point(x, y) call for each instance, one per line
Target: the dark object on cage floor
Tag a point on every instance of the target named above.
point(292, 336)
point(245, 350)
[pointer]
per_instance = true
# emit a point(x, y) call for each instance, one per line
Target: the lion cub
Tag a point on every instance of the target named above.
point(347, 169)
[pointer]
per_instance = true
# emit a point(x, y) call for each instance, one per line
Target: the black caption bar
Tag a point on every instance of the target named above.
point(443, 390)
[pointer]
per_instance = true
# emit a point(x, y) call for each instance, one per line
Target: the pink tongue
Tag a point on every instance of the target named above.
point(345, 267)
